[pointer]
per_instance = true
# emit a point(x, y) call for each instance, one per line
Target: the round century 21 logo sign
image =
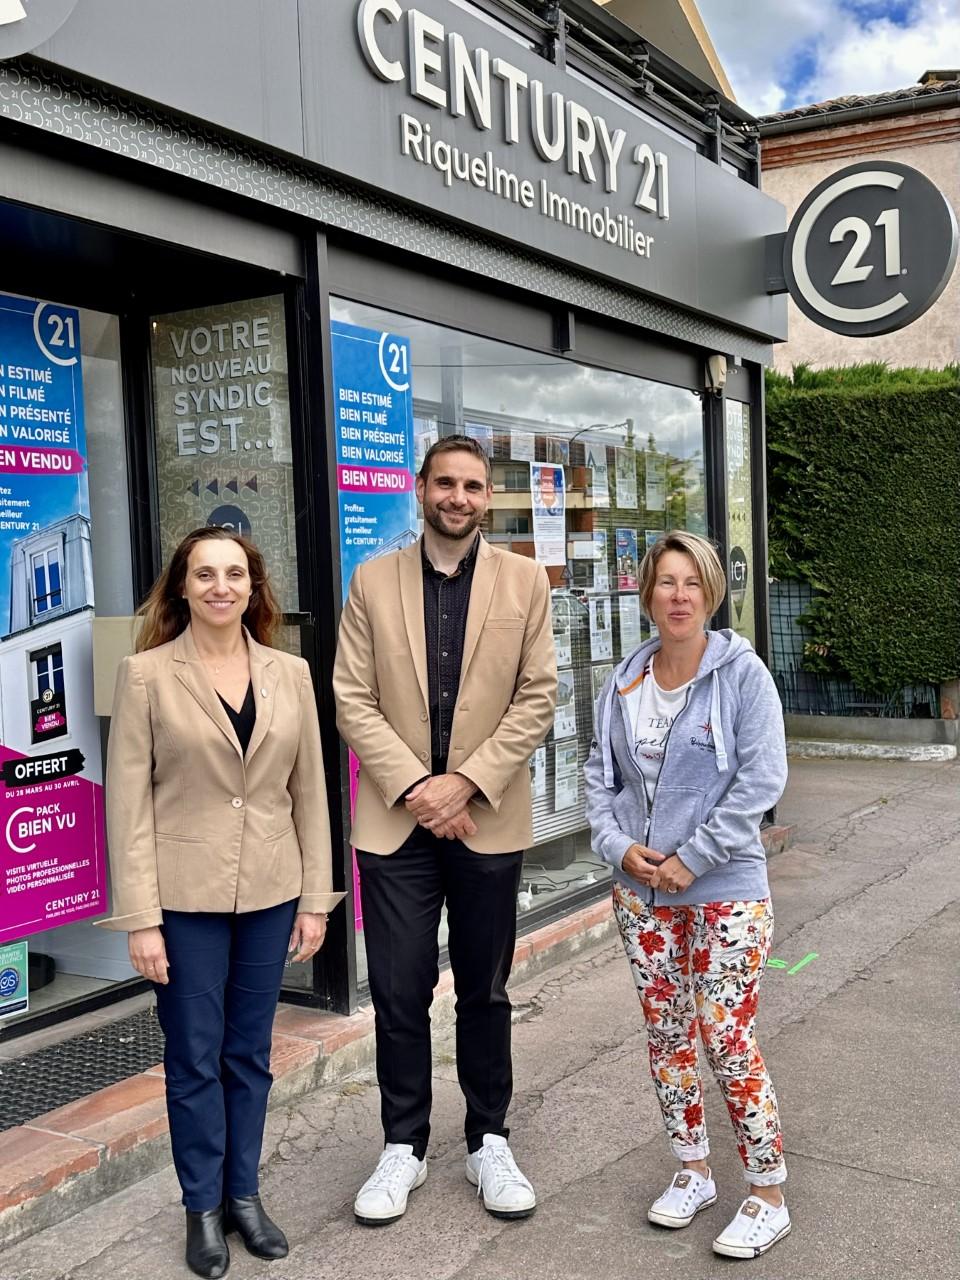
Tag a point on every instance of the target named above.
point(870, 249)
point(26, 23)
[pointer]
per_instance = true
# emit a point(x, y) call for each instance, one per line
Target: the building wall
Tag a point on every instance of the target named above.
point(793, 164)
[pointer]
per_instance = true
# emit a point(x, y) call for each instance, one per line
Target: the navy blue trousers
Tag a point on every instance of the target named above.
point(217, 1016)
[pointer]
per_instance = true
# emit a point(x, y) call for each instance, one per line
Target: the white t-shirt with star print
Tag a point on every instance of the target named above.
point(651, 712)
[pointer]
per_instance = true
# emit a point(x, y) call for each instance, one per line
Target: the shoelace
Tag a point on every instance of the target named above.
point(504, 1168)
point(387, 1175)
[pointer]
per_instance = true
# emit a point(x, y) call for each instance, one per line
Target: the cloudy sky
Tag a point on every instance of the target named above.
point(786, 53)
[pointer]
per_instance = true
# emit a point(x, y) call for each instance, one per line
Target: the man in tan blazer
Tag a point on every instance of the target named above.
point(445, 682)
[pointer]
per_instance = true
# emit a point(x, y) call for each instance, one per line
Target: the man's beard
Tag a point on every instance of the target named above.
point(434, 518)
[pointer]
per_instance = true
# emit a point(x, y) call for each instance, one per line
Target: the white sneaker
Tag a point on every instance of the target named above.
point(493, 1171)
point(383, 1197)
point(756, 1228)
point(687, 1194)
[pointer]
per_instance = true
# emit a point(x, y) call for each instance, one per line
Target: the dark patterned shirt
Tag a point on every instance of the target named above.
point(445, 604)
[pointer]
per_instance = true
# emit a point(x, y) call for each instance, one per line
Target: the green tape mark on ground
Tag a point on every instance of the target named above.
point(776, 964)
point(811, 955)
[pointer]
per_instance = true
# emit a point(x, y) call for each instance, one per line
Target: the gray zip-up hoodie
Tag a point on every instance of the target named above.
point(724, 766)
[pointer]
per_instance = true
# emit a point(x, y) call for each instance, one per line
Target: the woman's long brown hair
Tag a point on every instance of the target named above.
point(166, 614)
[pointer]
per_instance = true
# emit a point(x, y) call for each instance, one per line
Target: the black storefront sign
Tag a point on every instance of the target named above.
point(441, 109)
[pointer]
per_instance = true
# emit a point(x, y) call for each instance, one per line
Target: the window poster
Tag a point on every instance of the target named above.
point(374, 434)
point(631, 636)
point(740, 567)
point(566, 775)
point(601, 628)
point(627, 559)
point(596, 458)
point(599, 676)
point(538, 773)
point(601, 570)
point(565, 715)
point(373, 427)
point(222, 411)
point(14, 979)
point(626, 465)
point(482, 434)
point(522, 445)
point(548, 490)
point(650, 536)
point(655, 498)
point(425, 436)
point(52, 863)
point(562, 630)
point(558, 450)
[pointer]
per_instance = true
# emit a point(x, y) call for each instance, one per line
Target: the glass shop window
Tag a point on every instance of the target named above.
point(589, 467)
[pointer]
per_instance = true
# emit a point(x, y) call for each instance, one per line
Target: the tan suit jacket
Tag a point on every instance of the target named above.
point(192, 825)
point(504, 708)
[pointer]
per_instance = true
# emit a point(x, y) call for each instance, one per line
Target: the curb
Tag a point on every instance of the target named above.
point(815, 749)
point(70, 1158)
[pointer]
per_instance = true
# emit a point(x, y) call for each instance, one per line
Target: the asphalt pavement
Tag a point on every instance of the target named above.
point(860, 1026)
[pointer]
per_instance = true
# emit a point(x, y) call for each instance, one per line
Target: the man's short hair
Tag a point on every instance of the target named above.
point(464, 444)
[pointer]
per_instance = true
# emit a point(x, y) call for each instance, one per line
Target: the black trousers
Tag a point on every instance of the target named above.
point(217, 1016)
point(403, 894)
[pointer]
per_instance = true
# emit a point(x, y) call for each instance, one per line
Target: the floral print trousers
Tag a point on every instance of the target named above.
point(701, 965)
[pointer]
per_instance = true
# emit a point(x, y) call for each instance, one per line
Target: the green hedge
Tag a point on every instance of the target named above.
point(864, 483)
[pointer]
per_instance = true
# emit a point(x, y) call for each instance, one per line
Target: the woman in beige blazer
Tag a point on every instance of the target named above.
point(220, 863)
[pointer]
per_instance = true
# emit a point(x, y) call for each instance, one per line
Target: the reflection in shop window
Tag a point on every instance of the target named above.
point(630, 453)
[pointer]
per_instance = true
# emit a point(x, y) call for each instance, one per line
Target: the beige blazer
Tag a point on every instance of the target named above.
point(191, 824)
point(504, 708)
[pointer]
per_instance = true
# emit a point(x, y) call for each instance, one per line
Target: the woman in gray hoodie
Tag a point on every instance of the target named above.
point(689, 755)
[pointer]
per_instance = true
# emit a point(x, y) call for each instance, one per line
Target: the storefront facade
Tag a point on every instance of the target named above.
point(249, 278)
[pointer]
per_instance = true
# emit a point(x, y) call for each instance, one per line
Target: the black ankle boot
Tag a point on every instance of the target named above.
point(261, 1235)
point(207, 1252)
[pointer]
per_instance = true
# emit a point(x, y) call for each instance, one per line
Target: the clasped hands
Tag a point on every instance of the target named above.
point(439, 804)
point(658, 870)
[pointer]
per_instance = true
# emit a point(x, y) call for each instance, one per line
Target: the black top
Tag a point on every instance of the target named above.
point(244, 719)
point(445, 603)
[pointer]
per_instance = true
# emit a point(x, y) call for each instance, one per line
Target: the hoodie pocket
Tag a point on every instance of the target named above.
point(629, 814)
point(677, 812)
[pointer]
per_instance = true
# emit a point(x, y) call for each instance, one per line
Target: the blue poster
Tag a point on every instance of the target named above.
point(373, 419)
point(43, 477)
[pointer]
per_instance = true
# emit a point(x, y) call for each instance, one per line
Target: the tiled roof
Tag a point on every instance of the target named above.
point(906, 96)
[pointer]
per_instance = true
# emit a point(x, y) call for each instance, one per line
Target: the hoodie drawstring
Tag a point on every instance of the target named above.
point(715, 722)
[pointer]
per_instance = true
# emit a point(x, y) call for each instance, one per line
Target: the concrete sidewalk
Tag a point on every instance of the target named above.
point(862, 1041)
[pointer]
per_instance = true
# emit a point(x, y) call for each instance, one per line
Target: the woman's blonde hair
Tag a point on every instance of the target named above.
point(701, 552)
point(165, 613)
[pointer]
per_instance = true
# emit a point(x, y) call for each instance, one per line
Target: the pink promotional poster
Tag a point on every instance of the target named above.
point(52, 863)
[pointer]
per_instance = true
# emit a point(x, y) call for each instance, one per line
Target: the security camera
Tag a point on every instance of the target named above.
point(716, 378)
